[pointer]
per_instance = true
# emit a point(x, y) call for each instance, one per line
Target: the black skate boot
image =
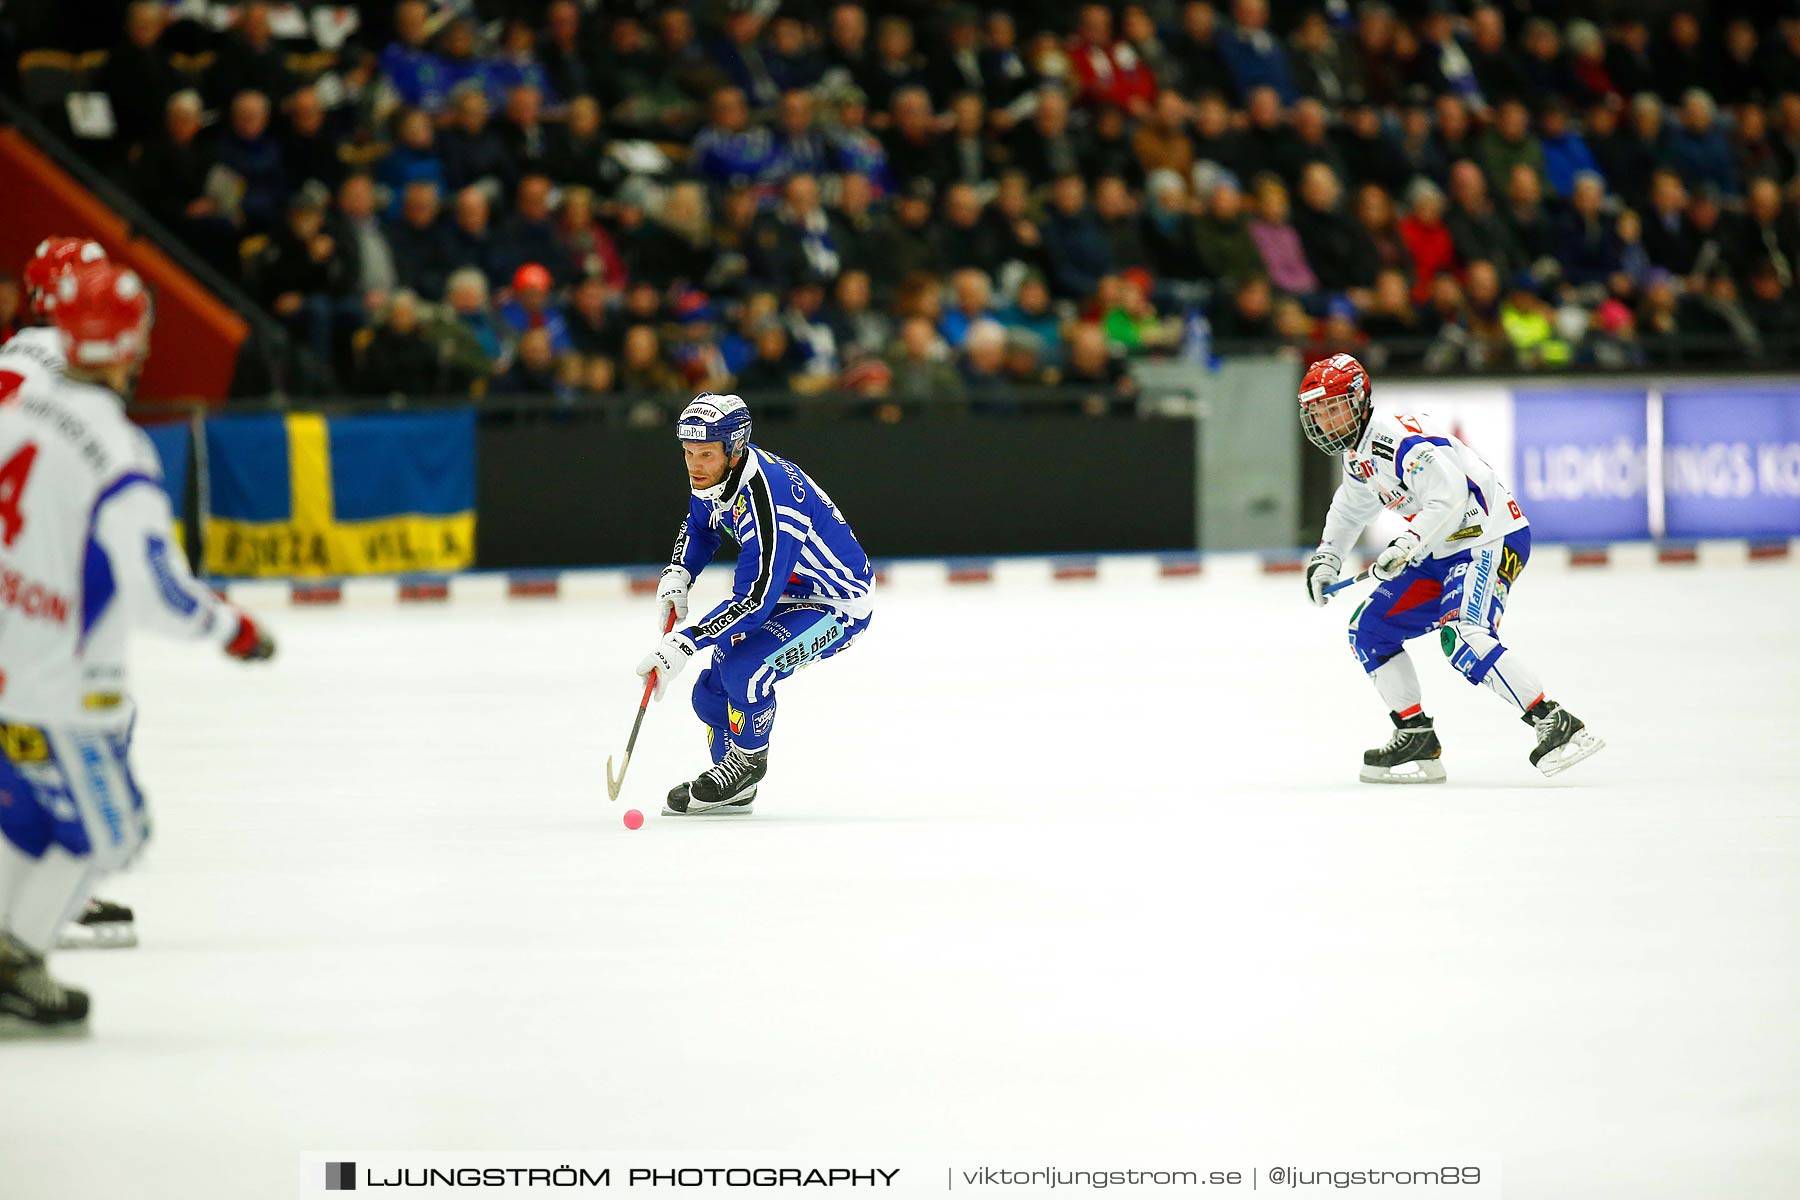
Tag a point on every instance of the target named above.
point(1562, 738)
point(1411, 755)
point(103, 925)
point(729, 788)
point(30, 1001)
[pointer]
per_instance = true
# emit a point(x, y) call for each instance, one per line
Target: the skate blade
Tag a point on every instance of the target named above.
point(1426, 771)
point(89, 937)
point(13, 1028)
point(1582, 745)
point(718, 810)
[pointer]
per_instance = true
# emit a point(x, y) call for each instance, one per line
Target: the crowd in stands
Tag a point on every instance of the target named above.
point(938, 204)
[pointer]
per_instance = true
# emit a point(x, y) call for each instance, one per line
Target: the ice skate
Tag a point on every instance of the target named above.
point(1562, 739)
point(727, 789)
point(1411, 755)
point(103, 925)
point(32, 1003)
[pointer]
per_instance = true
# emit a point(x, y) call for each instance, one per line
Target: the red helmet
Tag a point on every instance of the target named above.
point(103, 313)
point(532, 276)
point(1336, 391)
point(54, 257)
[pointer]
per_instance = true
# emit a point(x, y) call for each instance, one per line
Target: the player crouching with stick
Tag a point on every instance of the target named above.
point(1448, 573)
point(801, 594)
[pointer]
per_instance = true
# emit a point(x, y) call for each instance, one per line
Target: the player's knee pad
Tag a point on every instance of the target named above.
point(1371, 639)
point(709, 698)
point(1471, 649)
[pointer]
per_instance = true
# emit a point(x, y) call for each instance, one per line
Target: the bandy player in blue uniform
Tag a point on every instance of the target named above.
point(801, 594)
point(1448, 573)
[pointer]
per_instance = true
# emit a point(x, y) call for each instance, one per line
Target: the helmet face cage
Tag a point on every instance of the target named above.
point(1354, 406)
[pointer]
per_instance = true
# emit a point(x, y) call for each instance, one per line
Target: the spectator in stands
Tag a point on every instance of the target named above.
point(1269, 145)
point(1712, 234)
point(1168, 227)
point(856, 151)
point(400, 358)
point(1337, 249)
point(1017, 235)
point(536, 372)
point(368, 257)
point(656, 90)
point(1587, 246)
point(1611, 342)
point(472, 242)
point(972, 300)
point(1369, 153)
point(729, 151)
point(1107, 72)
point(1770, 306)
point(642, 367)
point(1767, 235)
point(1107, 387)
point(472, 149)
point(466, 294)
point(1074, 240)
point(1252, 55)
point(1312, 143)
point(958, 66)
point(418, 241)
point(792, 63)
point(1249, 313)
point(676, 245)
point(1194, 60)
point(458, 58)
point(1641, 150)
point(516, 65)
point(414, 158)
point(1566, 153)
point(1118, 217)
point(563, 54)
point(1591, 78)
point(1031, 312)
point(1477, 230)
point(1161, 141)
point(530, 235)
point(522, 131)
point(972, 156)
point(304, 278)
point(1228, 252)
point(896, 63)
point(1485, 345)
point(1429, 242)
point(1322, 71)
point(983, 363)
point(1278, 243)
point(741, 59)
point(577, 151)
point(797, 238)
point(815, 346)
point(1373, 55)
point(1628, 58)
point(137, 78)
point(963, 239)
point(914, 148)
point(584, 242)
point(171, 180)
point(1444, 65)
point(1379, 226)
point(1634, 260)
point(1047, 148)
point(1669, 237)
point(800, 146)
point(252, 154)
point(922, 366)
point(591, 331)
point(860, 329)
point(1497, 70)
point(1547, 72)
point(1681, 59)
point(309, 146)
point(1530, 223)
point(1510, 143)
point(1400, 329)
point(416, 73)
point(1753, 152)
point(1699, 150)
point(1215, 141)
point(249, 58)
point(1453, 138)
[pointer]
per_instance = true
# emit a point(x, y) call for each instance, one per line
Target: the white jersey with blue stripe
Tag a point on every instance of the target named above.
point(87, 549)
point(1413, 465)
point(793, 545)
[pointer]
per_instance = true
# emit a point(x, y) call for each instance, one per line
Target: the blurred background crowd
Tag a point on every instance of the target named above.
point(926, 203)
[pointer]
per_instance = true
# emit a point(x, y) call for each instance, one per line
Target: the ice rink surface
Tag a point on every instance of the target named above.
point(1076, 868)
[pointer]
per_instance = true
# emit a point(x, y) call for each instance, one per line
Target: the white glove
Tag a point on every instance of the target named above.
point(1396, 557)
point(667, 661)
point(1321, 572)
point(671, 594)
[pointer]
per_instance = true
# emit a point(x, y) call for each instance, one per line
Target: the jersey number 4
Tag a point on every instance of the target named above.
point(12, 488)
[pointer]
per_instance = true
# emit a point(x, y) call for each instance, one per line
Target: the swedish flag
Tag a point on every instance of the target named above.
point(303, 494)
point(171, 444)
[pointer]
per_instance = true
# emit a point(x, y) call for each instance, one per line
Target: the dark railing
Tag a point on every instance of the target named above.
point(269, 362)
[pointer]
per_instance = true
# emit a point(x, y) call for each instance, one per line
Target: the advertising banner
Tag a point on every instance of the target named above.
point(1582, 467)
point(1731, 462)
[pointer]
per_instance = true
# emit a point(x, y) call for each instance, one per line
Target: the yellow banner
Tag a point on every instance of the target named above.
point(392, 545)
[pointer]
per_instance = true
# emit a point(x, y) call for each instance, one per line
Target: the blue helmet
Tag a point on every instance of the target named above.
point(713, 418)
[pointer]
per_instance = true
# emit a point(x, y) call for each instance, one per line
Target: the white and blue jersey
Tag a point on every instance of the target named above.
point(793, 545)
point(802, 593)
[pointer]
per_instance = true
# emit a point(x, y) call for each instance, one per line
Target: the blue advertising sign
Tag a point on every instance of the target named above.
point(1582, 472)
point(1731, 462)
